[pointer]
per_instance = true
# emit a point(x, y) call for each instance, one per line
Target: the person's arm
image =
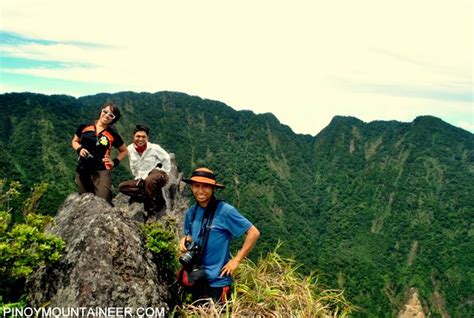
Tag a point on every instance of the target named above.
point(76, 145)
point(166, 162)
point(122, 152)
point(121, 155)
point(187, 234)
point(250, 240)
point(164, 158)
point(133, 162)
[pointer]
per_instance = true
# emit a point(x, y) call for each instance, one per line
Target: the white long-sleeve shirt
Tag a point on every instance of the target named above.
point(149, 160)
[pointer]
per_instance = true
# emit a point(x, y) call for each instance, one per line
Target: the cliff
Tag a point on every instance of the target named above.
point(106, 262)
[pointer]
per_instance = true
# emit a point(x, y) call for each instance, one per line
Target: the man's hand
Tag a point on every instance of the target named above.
point(182, 243)
point(230, 267)
point(250, 240)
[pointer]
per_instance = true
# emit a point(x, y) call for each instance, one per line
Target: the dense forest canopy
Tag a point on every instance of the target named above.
point(375, 208)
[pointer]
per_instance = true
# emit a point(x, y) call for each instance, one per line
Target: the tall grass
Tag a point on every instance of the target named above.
point(273, 288)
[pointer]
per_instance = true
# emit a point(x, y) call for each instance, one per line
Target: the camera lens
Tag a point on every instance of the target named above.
point(190, 257)
point(186, 258)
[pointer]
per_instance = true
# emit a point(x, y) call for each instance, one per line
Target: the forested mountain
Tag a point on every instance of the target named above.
point(376, 208)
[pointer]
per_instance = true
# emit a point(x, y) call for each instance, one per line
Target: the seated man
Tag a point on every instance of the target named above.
point(150, 165)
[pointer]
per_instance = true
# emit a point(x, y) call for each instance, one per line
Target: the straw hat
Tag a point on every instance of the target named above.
point(204, 175)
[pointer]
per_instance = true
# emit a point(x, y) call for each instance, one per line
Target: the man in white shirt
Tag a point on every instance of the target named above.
point(150, 165)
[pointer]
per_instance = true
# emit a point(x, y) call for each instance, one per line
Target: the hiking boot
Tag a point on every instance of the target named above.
point(135, 199)
point(160, 203)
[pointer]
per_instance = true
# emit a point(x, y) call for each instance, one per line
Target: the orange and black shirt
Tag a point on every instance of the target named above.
point(99, 143)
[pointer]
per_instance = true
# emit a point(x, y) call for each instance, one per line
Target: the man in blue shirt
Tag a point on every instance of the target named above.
point(227, 223)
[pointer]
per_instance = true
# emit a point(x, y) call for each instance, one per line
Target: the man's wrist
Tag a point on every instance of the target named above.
point(78, 149)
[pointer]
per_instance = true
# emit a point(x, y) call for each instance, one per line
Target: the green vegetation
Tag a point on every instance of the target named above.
point(162, 243)
point(24, 245)
point(376, 207)
point(272, 287)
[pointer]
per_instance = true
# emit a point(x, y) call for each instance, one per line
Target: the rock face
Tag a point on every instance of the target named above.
point(412, 307)
point(105, 262)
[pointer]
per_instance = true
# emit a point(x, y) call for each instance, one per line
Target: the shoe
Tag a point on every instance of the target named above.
point(135, 199)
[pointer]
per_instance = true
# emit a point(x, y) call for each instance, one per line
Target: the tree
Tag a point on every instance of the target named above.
point(24, 245)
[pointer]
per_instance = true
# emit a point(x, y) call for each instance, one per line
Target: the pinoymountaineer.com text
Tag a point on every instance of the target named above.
point(82, 312)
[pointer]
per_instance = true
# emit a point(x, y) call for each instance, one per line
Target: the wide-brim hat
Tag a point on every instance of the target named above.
point(204, 175)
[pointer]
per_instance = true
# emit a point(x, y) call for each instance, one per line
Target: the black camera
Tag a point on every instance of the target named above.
point(193, 253)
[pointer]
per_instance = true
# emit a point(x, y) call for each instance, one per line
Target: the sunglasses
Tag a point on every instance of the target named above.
point(110, 114)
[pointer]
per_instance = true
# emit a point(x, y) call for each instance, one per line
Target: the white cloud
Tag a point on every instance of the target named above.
point(303, 61)
point(50, 52)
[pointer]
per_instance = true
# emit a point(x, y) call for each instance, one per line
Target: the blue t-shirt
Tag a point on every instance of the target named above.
point(227, 223)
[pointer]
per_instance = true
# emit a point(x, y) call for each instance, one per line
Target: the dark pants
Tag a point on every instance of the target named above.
point(218, 294)
point(147, 191)
point(99, 183)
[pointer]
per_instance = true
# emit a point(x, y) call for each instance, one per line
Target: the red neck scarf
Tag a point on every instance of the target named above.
point(140, 149)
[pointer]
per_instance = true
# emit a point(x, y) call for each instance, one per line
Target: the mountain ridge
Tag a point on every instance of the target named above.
point(378, 207)
point(335, 119)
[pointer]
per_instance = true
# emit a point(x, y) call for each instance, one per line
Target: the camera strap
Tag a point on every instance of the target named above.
point(206, 223)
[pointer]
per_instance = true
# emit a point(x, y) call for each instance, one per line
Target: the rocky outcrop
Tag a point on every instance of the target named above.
point(412, 307)
point(105, 262)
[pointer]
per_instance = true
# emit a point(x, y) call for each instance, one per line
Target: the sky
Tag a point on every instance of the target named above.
point(303, 61)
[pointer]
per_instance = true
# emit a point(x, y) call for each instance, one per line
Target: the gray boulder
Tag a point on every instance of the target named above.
point(106, 262)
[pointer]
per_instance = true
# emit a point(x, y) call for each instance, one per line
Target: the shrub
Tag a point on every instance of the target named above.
point(163, 245)
point(24, 246)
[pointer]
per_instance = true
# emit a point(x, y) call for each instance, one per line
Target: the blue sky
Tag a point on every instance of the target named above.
point(304, 61)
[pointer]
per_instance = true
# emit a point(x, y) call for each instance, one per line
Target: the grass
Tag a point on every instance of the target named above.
point(272, 287)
